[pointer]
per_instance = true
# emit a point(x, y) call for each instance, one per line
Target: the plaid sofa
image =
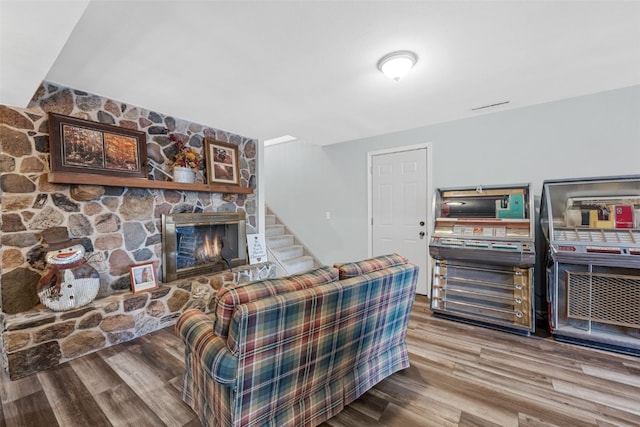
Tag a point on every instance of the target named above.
point(294, 351)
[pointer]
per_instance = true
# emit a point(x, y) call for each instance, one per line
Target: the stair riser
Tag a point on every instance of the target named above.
point(288, 252)
point(274, 230)
point(279, 241)
point(298, 265)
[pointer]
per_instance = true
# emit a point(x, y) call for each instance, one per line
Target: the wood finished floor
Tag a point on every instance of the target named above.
point(460, 375)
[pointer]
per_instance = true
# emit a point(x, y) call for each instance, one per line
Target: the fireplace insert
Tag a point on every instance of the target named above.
point(202, 243)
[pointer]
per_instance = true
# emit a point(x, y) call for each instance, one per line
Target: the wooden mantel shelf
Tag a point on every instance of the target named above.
point(117, 181)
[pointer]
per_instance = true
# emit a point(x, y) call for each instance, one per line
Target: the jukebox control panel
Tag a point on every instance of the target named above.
point(514, 246)
point(483, 251)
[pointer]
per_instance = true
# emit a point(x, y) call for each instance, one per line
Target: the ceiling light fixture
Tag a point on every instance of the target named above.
point(396, 65)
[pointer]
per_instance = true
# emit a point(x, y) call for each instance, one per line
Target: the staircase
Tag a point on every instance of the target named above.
point(289, 255)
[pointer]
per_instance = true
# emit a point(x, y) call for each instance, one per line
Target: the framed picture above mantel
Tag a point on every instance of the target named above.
point(222, 162)
point(83, 147)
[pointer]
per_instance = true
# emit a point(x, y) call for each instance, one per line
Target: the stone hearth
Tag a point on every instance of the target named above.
point(40, 339)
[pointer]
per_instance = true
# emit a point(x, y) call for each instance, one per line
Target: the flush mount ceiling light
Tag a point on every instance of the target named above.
point(396, 65)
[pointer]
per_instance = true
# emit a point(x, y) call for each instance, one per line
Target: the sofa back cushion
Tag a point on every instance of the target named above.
point(228, 297)
point(291, 346)
point(353, 269)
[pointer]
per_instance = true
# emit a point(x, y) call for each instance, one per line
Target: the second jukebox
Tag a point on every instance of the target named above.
point(592, 232)
point(484, 254)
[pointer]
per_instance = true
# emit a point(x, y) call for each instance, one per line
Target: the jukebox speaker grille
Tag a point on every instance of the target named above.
point(605, 298)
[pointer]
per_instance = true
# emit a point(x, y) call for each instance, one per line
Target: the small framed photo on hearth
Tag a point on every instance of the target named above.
point(222, 162)
point(143, 277)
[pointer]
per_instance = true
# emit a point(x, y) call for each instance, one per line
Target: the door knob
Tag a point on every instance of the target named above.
point(422, 233)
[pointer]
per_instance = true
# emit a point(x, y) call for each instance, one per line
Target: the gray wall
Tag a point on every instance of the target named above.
point(593, 135)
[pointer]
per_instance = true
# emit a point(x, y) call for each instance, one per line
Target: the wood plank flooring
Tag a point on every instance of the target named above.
point(460, 375)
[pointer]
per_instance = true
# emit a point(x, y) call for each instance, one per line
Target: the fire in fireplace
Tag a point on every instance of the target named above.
point(201, 243)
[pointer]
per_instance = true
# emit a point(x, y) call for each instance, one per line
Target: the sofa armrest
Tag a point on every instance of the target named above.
point(195, 329)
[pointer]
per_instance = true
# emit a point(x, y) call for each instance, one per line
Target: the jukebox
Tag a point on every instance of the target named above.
point(592, 232)
point(483, 254)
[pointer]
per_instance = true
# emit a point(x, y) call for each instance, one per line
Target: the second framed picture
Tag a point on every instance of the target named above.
point(222, 162)
point(143, 277)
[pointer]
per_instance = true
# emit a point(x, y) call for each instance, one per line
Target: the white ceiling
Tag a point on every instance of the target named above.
point(265, 69)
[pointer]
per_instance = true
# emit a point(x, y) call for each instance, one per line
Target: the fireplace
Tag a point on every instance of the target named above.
point(202, 243)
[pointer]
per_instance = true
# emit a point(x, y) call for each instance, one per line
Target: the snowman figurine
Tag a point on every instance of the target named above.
point(70, 281)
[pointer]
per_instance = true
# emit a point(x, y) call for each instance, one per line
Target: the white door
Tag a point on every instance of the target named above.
point(398, 206)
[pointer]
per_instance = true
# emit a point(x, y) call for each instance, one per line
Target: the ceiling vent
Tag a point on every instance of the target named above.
point(484, 107)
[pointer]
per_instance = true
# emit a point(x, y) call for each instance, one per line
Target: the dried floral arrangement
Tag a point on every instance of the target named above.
point(185, 156)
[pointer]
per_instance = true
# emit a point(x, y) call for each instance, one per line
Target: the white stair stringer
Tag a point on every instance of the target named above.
point(285, 250)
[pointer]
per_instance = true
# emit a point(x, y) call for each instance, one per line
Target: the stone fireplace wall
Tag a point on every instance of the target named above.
point(121, 226)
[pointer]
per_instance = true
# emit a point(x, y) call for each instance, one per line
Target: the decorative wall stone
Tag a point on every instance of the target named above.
point(120, 337)
point(31, 164)
point(12, 203)
point(14, 183)
point(177, 300)
point(60, 102)
point(90, 321)
point(109, 241)
point(142, 255)
point(91, 209)
point(82, 343)
point(146, 325)
point(40, 201)
point(17, 323)
point(55, 331)
point(111, 203)
point(135, 302)
point(34, 359)
point(79, 225)
point(119, 262)
point(12, 222)
point(86, 192)
point(109, 308)
point(12, 258)
point(74, 314)
point(107, 223)
point(134, 235)
point(16, 119)
point(47, 218)
point(19, 290)
point(7, 163)
point(160, 292)
point(20, 240)
point(45, 186)
point(63, 203)
point(137, 204)
point(156, 309)
point(16, 340)
point(14, 143)
point(118, 322)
